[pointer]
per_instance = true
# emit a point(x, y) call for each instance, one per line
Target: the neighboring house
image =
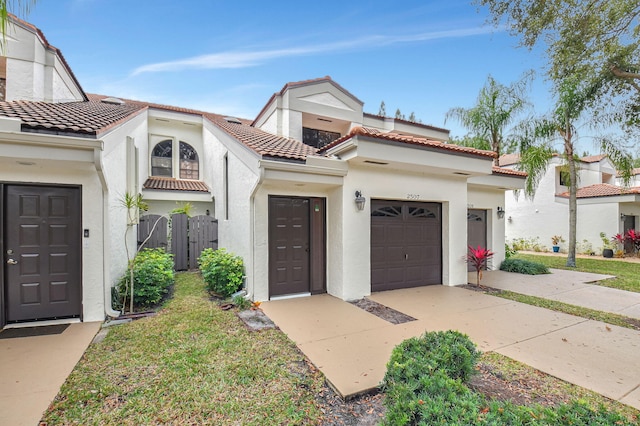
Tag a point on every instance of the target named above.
point(314, 194)
point(604, 205)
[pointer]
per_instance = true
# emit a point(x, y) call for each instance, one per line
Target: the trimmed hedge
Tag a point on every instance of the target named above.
point(223, 272)
point(522, 266)
point(424, 385)
point(152, 275)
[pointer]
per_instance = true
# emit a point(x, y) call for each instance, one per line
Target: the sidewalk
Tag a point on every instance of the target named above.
point(570, 287)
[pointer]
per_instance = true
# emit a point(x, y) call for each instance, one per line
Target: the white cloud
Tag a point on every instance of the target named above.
point(244, 59)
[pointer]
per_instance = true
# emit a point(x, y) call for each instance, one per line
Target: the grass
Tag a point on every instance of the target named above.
point(579, 311)
point(627, 273)
point(191, 364)
point(542, 384)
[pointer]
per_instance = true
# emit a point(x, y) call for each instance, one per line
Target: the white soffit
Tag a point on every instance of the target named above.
point(327, 99)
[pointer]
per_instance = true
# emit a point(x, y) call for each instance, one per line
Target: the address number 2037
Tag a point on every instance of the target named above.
point(413, 196)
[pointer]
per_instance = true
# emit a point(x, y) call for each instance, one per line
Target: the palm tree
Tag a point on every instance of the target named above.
point(496, 108)
point(536, 147)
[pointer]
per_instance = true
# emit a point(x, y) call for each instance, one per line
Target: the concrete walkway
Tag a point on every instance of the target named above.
point(32, 369)
point(569, 287)
point(351, 347)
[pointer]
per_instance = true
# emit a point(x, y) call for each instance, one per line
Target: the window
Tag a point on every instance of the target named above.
point(162, 158)
point(318, 138)
point(189, 167)
point(565, 179)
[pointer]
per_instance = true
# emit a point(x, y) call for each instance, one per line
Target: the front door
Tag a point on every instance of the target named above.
point(476, 230)
point(629, 223)
point(296, 245)
point(42, 257)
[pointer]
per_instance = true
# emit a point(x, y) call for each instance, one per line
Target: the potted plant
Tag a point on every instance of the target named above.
point(556, 240)
point(607, 248)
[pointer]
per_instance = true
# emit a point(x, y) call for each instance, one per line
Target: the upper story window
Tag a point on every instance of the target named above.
point(163, 157)
point(318, 138)
point(565, 178)
point(189, 166)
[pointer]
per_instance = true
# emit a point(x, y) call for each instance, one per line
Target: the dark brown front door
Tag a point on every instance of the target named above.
point(476, 230)
point(42, 256)
point(296, 245)
point(406, 244)
point(629, 223)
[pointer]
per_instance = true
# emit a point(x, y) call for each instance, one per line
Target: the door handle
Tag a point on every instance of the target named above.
point(406, 256)
point(12, 262)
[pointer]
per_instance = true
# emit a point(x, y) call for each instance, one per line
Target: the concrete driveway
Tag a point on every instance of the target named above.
point(32, 369)
point(351, 346)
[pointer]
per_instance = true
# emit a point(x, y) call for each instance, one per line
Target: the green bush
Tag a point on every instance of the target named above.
point(152, 276)
point(223, 272)
point(509, 251)
point(424, 385)
point(522, 266)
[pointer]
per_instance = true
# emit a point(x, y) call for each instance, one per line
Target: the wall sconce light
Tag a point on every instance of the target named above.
point(510, 219)
point(623, 216)
point(360, 200)
point(500, 212)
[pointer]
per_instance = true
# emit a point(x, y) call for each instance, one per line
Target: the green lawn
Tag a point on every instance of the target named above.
point(627, 273)
point(191, 364)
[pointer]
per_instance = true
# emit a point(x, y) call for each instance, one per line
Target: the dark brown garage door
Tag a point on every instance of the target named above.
point(42, 252)
point(406, 244)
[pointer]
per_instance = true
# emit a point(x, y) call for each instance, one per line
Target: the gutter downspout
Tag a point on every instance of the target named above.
point(97, 161)
point(252, 231)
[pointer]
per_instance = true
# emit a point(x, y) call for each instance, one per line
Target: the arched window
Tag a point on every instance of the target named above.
point(189, 166)
point(162, 159)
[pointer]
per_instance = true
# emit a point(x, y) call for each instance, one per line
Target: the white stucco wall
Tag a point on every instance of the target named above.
point(34, 72)
point(235, 229)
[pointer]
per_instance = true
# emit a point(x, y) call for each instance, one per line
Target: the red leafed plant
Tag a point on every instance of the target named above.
point(478, 258)
point(633, 237)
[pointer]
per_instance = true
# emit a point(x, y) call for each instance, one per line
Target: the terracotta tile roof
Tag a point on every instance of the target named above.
point(410, 140)
point(57, 51)
point(509, 159)
point(634, 172)
point(412, 123)
point(264, 143)
point(509, 172)
point(602, 190)
point(85, 118)
point(171, 184)
point(593, 158)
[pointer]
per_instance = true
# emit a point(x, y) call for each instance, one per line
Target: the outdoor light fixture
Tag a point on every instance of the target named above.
point(500, 213)
point(623, 216)
point(360, 200)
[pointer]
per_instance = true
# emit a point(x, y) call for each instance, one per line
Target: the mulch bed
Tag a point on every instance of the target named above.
point(382, 311)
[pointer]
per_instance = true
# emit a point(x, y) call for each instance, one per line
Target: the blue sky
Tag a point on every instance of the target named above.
point(230, 57)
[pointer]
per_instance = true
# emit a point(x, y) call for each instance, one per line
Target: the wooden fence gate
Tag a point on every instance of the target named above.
point(189, 236)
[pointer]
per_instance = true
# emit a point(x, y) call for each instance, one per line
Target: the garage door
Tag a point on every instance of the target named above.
point(406, 244)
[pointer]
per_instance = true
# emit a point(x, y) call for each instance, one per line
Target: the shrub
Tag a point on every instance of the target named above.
point(424, 385)
point(522, 266)
point(509, 251)
point(222, 271)
point(152, 276)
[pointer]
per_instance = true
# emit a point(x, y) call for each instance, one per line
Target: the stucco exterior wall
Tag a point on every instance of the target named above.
point(34, 72)
point(234, 213)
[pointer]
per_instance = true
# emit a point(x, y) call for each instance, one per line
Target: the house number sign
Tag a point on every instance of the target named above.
point(413, 196)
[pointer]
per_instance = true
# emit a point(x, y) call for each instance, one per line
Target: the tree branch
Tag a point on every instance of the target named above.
point(629, 76)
